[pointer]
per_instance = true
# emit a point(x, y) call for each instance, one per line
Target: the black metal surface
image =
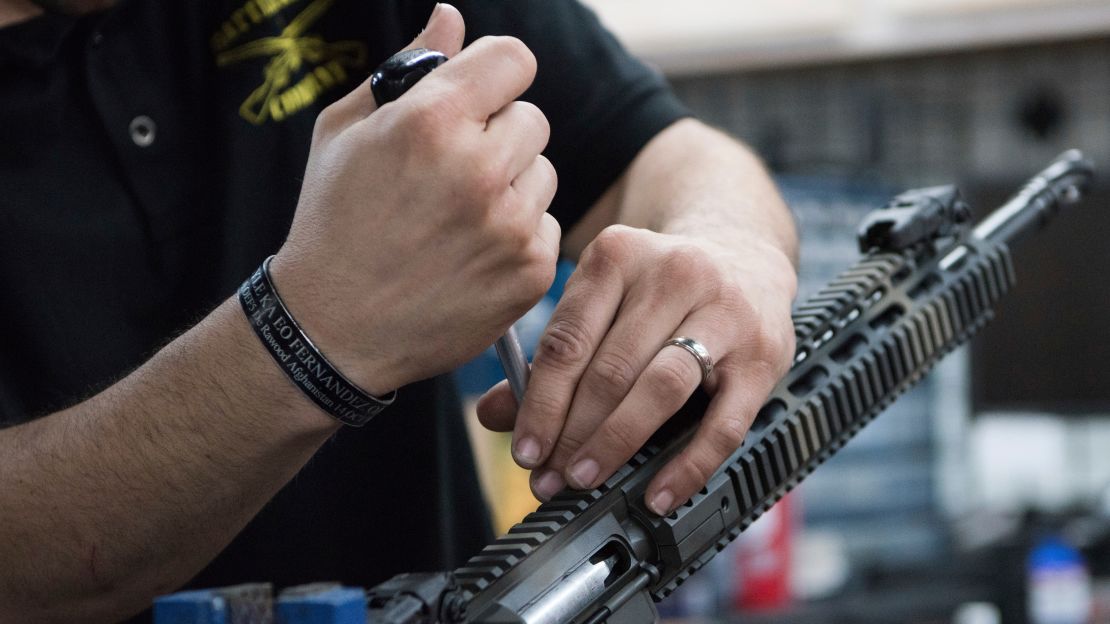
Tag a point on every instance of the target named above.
point(1064, 182)
point(414, 599)
point(914, 217)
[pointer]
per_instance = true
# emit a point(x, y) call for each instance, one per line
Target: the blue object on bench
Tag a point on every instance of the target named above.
point(203, 606)
point(335, 605)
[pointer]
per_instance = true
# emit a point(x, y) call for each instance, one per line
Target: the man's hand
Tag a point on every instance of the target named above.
point(422, 230)
point(419, 236)
point(602, 382)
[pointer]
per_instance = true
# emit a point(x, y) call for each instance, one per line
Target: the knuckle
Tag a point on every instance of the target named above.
point(729, 309)
point(612, 371)
point(772, 348)
point(528, 109)
point(786, 346)
point(516, 52)
point(531, 114)
point(488, 180)
point(683, 265)
point(514, 235)
point(424, 124)
point(613, 239)
point(549, 172)
point(537, 276)
point(326, 125)
point(544, 191)
point(554, 240)
point(546, 237)
point(565, 343)
point(423, 112)
point(731, 297)
point(609, 250)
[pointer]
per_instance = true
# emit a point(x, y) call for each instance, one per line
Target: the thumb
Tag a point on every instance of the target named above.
point(444, 31)
point(497, 408)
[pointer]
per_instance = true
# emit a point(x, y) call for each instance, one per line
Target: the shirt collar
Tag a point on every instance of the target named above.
point(35, 41)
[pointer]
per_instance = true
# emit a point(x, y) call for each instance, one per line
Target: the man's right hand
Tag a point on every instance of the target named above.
point(422, 232)
point(420, 235)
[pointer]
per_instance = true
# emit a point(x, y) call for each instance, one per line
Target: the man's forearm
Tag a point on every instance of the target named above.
point(130, 493)
point(693, 180)
point(717, 189)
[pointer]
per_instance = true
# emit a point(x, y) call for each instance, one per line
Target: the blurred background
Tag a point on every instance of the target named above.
point(982, 496)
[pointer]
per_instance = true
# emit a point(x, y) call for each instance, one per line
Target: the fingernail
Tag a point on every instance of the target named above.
point(661, 502)
point(527, 452)
point(549, 484)
point(583, 473)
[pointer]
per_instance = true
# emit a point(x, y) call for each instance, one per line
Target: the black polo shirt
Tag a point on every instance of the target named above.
point(151, 156)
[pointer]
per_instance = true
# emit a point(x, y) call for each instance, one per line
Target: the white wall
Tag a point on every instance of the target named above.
point(714, 35)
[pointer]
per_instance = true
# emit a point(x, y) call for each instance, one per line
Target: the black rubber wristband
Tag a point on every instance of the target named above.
point(299, 358)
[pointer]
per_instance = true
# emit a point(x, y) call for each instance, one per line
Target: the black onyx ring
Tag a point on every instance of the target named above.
point(696, 349)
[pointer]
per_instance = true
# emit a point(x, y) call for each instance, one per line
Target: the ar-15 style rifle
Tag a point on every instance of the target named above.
point(926, 283)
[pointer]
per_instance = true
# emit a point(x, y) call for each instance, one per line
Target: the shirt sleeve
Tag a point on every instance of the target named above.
point(603, 104)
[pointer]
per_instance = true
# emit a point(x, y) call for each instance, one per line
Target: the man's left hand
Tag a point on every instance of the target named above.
point(602, 381)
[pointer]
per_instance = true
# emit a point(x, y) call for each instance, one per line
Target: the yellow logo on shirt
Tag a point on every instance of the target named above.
point(301, 65)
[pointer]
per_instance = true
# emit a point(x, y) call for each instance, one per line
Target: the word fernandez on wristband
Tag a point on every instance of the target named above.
point(299, 358)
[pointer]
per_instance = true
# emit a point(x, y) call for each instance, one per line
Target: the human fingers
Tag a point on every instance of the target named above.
point(484, 77)
point(548, 235)
point(720, 433)
point(444, 33)
point(744, 377)
point(659, 391)
point(523, 131)
point(649, 315)
point(497, 408)
point(735, 309)
point(531, 194)
point(584, 314)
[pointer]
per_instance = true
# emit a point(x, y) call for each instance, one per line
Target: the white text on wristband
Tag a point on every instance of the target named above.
point(299, 358)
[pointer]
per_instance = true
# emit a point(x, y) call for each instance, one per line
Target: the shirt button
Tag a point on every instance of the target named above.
point(142, 130)
point(96, 39)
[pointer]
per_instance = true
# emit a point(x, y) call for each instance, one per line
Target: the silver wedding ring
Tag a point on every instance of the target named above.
point(696, 349)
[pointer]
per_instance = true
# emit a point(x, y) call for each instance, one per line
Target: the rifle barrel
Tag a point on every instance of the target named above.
point(1062, 183)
